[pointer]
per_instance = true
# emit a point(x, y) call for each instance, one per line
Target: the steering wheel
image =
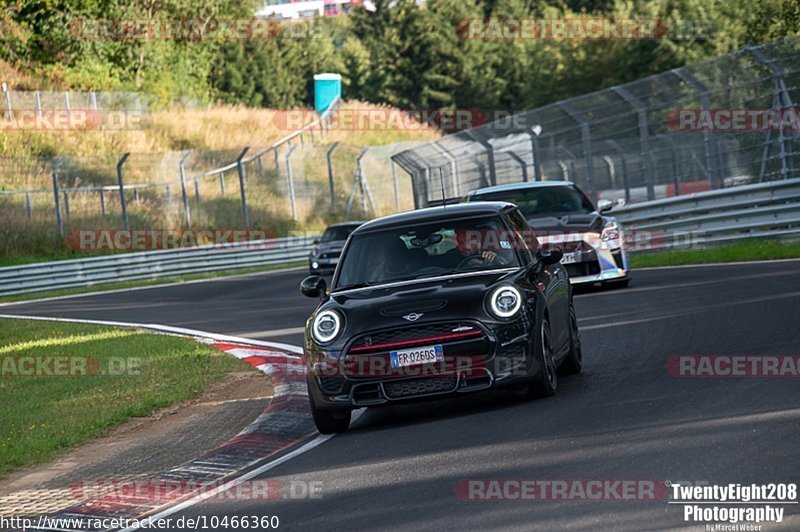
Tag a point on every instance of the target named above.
point(471, 256)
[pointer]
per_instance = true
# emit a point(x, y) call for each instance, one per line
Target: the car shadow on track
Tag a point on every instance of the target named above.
point(410, 414)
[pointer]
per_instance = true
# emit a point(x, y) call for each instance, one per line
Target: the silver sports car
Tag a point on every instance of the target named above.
point(562, 214)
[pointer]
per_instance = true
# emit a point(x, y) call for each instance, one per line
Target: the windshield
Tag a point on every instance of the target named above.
point(415, 252)
point(334, 234)
point(538, 202)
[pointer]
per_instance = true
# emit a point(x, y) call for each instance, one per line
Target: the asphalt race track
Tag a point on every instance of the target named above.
point(624, 418)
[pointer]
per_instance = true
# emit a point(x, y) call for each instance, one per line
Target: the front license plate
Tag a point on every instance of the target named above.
point(569, 258)
point(418, 355)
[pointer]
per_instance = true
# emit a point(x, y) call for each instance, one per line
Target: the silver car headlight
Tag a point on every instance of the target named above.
point(505, 301)
point(610, 232)
point(326, 326)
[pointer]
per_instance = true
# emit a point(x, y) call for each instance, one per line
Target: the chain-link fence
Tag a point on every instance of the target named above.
point(303, 181)
point(714, 124)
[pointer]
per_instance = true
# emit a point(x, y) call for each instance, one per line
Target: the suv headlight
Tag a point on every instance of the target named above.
point(505, 301)
point(326, 326)
point(610, 232)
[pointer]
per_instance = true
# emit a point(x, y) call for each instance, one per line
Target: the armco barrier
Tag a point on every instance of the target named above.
point(764, 210)
point(40, 277)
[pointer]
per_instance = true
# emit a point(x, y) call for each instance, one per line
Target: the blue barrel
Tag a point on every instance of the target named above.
point(327, 87)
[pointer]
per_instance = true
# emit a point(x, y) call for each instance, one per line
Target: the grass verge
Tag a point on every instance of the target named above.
point(148, 282)
point(112, 376)
point(739, 252)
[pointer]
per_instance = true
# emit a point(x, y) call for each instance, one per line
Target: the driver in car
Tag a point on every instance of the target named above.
point(468, 252)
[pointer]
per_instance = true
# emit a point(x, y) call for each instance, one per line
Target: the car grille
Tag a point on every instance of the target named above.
point(416, 387)
point(329, 255)
point(575, 245)
point(331, 385)
point(582, 269)
point(415, 335)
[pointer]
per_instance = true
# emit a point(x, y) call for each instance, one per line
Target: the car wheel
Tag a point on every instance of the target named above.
point(574, 361)
point(546, 380)
point(329, 421)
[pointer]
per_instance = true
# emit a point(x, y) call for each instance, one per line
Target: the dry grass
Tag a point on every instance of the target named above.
point(215, 135)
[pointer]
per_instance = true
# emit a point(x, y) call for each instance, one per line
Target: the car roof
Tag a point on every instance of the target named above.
point(345, 224)
point(520, 186)
point(456, 210)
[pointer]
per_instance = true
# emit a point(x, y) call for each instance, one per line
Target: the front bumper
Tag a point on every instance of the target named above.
point(588, 259)
point(496, 357)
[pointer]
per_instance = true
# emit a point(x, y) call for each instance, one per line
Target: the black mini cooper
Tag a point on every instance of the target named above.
point(438, 302)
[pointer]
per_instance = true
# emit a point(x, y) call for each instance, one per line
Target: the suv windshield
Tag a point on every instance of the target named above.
point(418, 251)
point(538, 202)
point(334, 234)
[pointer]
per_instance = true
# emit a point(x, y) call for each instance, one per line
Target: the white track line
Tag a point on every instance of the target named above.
point(319, 440)
point(151, 287)
point(180, 331)
point(710, 264)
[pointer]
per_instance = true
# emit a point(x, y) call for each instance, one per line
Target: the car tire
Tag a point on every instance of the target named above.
point(545, 382)
point(329, 421)
point(573, 363)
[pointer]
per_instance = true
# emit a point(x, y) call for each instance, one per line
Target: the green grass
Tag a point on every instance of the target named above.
point(44, 416)
point(743, 251)
point(147, 282)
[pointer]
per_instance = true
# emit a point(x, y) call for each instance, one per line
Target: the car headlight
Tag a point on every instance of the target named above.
point(505, 301)
point(326, 326)
point(610, 232)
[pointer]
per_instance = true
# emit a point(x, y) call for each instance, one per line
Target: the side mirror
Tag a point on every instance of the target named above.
point(604, 205)
point(315, 241)
point(314, 286)
point(550, 256)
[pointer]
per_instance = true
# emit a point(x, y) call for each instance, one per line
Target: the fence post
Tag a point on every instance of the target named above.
point(103, 200)
point(260, 167)
point(713, 169)
point(330, 174)
point(522, 165)
point(394, 186)
point(586, 141)
point(56, 192)
point(644, 138)
point(290, 178)
point(67, 104)
point(38, 103)
point(222, 184)
point(454, 174)
point(614, 145)
point(66, 204)
point(187, 215)
point(534, 133)
point(28, 206)
point(197, 192)
point(7, 94)
point(489, 155)
point(121, 184)
point(242, 187)
point(781, 101)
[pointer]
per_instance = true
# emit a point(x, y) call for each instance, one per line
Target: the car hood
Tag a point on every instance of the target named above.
point(334, 246)
point(451, 297)
point(568, 223)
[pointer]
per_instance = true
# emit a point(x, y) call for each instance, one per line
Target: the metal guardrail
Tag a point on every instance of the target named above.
point(74, 273)
point(765, 210)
